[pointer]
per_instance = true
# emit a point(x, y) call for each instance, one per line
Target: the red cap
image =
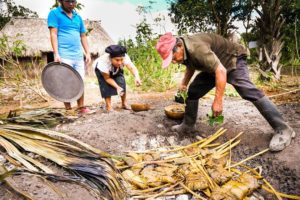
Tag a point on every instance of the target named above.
point(164, 47)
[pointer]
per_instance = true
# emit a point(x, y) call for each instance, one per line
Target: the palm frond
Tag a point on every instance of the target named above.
point(87, 165)
point(4, 173)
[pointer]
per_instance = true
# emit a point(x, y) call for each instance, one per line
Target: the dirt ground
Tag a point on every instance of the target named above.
point(124, 130)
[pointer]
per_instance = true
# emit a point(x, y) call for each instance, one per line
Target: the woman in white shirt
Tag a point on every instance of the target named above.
point(109, 71)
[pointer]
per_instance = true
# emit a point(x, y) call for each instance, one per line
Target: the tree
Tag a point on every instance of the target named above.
point(9, 9)
point(209, 15)
point(245, 15)
point(144, 55)
point(291, 28)
point(270, 36)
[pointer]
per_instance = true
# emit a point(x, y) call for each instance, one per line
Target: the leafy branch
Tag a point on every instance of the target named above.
point(215, 120)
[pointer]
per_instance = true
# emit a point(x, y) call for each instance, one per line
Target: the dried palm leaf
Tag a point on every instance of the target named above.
point(87, 165)
point(4, 173)
point(30, 130)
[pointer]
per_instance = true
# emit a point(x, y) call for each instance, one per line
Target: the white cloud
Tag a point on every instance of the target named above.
point(118, 19)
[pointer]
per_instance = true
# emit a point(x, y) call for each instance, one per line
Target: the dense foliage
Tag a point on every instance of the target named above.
point(9, 9)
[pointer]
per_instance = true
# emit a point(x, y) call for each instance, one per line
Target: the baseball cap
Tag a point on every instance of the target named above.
point(164, 47)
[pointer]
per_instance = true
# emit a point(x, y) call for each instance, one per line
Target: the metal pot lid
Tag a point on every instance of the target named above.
point(62, 82)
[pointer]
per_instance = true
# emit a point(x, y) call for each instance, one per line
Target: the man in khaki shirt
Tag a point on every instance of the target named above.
point(220, 61)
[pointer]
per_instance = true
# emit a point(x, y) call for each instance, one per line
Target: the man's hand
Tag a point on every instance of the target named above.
point(217, 108)
point(138, 81)
point(57, 58)
point(182, 88)
point(221, 78)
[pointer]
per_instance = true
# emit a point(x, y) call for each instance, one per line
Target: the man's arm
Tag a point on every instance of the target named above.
point(54, 43)
point(85, 46)
point(187, 77)
point(221, 79)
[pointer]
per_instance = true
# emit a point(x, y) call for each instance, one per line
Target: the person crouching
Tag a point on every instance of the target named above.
point(109, 70)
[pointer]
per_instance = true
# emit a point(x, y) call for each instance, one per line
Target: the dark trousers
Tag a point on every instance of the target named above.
point(238, 77)
point(107, 90)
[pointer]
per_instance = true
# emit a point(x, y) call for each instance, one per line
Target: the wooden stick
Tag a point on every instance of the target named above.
point(276, 95)
point(228, 142)
point(213, 137)
point(274, 191)
point(157, 161)
point(229, 147)
point(203, 141)
point(229, 163)
point(177, 192)
point(163, 192)
point(282, 194)
point(213, 185)
point(212, 145)
point(138, 192)
point(249, 158)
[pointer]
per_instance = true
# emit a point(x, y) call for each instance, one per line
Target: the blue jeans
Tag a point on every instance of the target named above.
point(78, 65)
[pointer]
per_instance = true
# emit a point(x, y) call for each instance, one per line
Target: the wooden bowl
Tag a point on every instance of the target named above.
point(140, 107)
point(175, 111)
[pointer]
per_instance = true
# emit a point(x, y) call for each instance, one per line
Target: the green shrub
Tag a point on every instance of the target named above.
point(148, 63)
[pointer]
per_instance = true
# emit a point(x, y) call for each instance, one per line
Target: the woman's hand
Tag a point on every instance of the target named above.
point(138, 81)
point(120, 91)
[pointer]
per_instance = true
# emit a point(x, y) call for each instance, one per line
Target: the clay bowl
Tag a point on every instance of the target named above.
point(175, 111)
point(140, 107)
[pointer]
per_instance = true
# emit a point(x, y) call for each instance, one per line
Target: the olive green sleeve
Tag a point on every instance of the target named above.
point(207, 58)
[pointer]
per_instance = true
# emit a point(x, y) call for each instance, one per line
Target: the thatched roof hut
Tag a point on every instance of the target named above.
point(35, 35)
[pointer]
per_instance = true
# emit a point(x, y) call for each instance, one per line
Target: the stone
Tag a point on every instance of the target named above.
point(140, 143)
point(170, 197)
point(172, 140)
point(161, 140)
point(160, 126)
point(153, 143)
point(2, 159)
point(199, 138)
point(183, 197)
point(256, 196)
point(185, 142)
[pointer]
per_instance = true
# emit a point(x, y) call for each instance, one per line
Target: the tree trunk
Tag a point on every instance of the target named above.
point(296, 38)
point(269, 26)
point(273, 58)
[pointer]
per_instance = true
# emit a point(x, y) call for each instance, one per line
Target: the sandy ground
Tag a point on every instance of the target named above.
point(126, 130)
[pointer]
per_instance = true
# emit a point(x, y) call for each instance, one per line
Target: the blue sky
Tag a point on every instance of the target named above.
point(157, 4)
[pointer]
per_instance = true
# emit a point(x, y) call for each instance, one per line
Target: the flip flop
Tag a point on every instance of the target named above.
point(126, 107)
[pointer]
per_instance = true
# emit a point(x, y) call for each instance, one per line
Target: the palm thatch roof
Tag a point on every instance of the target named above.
point(35, 35)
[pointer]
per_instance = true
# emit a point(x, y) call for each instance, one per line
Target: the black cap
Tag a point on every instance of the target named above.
point(116, 51)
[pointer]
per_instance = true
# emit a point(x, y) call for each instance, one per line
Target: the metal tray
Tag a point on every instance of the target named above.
point(62, 82)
